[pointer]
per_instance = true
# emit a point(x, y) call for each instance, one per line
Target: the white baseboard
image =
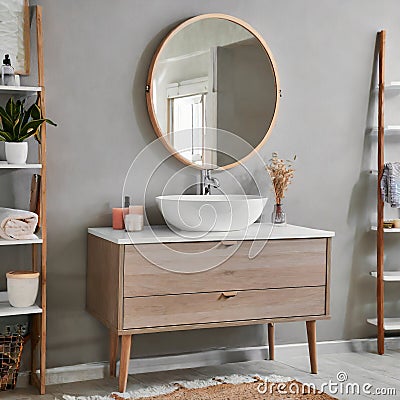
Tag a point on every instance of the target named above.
point(91, 371)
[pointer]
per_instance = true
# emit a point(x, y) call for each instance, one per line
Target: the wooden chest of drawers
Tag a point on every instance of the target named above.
point(144, 288)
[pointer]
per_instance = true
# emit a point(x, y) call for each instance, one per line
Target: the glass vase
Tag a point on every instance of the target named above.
point(279, 215)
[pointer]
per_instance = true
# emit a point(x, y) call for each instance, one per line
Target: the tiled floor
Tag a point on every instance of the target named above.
point(360, 368)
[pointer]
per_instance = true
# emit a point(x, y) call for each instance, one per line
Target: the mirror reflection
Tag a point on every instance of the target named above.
point(209, 76)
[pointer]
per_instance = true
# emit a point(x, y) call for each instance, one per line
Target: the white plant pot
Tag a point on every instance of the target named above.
point(22, 288)
point(16, 152)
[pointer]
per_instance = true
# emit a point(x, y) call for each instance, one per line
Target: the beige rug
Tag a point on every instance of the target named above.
point(232, 387)
point(243, 391)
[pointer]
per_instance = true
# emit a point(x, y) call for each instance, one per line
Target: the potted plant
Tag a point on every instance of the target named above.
point(17, 124)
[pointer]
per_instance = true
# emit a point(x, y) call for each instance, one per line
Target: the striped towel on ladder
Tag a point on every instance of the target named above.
point(390, 184)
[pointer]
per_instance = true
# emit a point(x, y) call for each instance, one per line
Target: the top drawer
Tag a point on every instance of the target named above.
point(160, 269)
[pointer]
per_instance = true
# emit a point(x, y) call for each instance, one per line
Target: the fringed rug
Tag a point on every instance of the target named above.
point(232, 387)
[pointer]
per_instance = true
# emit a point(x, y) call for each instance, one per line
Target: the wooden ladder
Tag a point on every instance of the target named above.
point(382, 323)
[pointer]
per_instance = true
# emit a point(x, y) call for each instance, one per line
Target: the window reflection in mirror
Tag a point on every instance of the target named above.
point(213, 73)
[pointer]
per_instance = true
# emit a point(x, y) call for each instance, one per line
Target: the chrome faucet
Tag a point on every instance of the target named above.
point(207, 182)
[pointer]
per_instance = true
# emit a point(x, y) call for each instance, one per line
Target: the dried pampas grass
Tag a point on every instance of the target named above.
point(281, 173)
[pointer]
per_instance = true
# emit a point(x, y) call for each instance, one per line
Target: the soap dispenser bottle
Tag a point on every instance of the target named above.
point(7, 72)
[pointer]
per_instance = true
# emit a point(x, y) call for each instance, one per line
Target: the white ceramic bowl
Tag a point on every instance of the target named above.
point(209, 213)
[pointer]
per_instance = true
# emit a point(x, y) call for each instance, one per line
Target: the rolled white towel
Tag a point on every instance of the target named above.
point(17, 224)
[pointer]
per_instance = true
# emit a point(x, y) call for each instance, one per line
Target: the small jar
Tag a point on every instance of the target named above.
point(134, 222)
point(136, 210)
point(7, 72)
point(22, 288)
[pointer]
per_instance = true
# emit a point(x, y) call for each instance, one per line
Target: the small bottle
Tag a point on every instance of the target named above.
point(7, 72)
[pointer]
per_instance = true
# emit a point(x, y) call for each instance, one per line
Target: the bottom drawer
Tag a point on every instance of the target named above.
point(198, 308)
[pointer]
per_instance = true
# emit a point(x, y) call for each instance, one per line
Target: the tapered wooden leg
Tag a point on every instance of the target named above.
point(312, 344)
point(124, 362)
point(114, 341)
point(271, 341)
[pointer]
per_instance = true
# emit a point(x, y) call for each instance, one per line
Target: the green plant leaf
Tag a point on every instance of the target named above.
point(31, 128)
point(17, 128)
point(11, 119)
point(10, 108)
point(19, 118)
point(18, 107)
point(5, 136)
point(5, 115)
point(27, 114)
point(6, 122)
point(34, 112)
point(28, 135)
point(49, 121)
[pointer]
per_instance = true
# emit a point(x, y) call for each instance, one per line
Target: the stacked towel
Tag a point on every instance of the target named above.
point(17, 224)
point(390, 184)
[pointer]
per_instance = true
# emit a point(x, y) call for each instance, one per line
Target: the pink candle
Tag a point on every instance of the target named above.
point(118, 218)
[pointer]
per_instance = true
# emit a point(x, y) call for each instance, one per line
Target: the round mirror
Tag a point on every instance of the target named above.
point(212, 91)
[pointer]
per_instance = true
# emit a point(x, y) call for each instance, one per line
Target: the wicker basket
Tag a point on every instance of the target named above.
point(10, 357)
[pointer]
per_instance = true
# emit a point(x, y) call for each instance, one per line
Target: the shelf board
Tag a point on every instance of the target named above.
point(7, 310)
point(388, 276)
point(4, 242)
point(21, 90)
point(392, 87)
point(5, 165)
point(389, 324)
point(388, 230)
point(389, 130)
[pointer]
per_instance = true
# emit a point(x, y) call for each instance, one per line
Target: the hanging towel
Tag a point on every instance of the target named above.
point(390, 184)
point(17, 224)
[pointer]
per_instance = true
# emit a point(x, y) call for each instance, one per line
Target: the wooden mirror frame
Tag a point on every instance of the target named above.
point(149, 86)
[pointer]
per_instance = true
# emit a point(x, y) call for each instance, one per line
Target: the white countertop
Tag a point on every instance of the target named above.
point(163, 234)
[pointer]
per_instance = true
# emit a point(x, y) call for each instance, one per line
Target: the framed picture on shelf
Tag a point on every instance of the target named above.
point(15, 34)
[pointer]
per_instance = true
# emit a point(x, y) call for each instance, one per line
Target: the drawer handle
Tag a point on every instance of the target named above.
point(228, 295)
point(229, 242)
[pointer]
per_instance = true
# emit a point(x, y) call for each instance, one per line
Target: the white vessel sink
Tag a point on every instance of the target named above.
point(198, 213)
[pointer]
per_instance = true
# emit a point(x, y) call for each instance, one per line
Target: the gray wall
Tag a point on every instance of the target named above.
point(97, 54)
